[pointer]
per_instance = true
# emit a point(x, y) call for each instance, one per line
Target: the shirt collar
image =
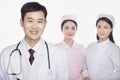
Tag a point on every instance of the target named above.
point(38, 47)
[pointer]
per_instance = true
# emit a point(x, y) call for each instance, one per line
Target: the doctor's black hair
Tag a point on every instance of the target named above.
point(111, 25)
point(62, 24)
point(31, 7)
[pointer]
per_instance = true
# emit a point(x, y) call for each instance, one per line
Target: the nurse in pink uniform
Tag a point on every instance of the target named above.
point(75, 51)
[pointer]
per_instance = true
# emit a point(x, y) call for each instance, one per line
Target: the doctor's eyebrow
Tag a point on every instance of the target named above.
point(37, 19)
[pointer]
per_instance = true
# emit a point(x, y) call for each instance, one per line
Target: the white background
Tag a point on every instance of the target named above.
point(86, 10)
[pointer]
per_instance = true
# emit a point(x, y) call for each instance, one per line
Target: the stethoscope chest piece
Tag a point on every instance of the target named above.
point(49, 71)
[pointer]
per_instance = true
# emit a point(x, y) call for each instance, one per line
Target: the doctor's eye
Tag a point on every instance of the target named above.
point(105, 27)
point(40, 21)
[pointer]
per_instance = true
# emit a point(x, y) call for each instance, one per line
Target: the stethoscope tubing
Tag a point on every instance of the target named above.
point(17, 49)
point(48, 55)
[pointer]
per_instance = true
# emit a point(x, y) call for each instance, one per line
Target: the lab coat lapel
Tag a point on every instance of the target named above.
point(40, 52)
point(25, 62)
point(36, 64)
point(25, 66)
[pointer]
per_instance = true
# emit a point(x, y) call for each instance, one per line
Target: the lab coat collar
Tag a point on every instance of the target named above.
point(25, 44)
point(40, 47)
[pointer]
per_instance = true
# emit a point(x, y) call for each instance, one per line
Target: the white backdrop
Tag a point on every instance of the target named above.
point(86, 10)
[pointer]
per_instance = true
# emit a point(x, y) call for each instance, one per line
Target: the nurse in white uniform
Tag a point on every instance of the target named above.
point(103, 56)
point(46, 61)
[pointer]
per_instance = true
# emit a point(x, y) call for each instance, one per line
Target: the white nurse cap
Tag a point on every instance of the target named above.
point(69, 17)
point(110, 17)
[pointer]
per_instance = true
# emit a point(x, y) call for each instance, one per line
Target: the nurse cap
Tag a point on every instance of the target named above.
point(110, 17)
point(69, 17)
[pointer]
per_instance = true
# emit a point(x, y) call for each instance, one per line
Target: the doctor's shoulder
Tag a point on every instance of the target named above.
point(56, 49)
point(57, 52)
point(59, 58)
point(7, 50)
point(5, 54)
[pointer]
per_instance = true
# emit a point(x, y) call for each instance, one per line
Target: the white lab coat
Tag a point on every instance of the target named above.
point(2, 76)
point(39, 68)
point(102, 61)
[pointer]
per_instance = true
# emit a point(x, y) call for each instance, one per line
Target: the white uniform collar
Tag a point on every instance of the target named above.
point(104, 42)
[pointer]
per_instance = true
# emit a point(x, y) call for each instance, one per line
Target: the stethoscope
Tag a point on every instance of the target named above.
point(20, 54)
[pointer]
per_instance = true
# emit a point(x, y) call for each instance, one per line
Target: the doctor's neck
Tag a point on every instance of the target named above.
point(32, 42)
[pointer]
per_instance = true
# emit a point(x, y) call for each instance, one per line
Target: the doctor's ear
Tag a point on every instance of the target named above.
point(45, 22)
point(21, 22)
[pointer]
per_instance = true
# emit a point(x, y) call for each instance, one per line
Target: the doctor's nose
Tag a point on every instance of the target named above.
point(34, 25)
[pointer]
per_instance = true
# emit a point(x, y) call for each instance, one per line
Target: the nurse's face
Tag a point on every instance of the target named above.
point(103, 30)
point(69, 30)
point(33, 25)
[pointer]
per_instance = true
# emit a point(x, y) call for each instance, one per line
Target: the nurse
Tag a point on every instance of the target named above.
point(34, 59)
point(103, 56)
point(75, 51)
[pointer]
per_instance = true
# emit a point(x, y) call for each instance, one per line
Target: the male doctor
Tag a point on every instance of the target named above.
point(32, 58)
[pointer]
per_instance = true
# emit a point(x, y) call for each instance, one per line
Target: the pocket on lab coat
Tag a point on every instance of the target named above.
point(42, 74)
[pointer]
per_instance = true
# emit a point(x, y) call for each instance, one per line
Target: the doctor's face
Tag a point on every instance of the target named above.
point(103, 30)
point(69, 29)
point(33, 25)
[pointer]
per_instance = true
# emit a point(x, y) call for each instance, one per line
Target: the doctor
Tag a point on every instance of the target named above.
point(103, 56)
point(33, 58)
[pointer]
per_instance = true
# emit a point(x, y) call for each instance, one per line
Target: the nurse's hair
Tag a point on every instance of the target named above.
point(32, 7)
point(62, 24)
point(111, 25)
